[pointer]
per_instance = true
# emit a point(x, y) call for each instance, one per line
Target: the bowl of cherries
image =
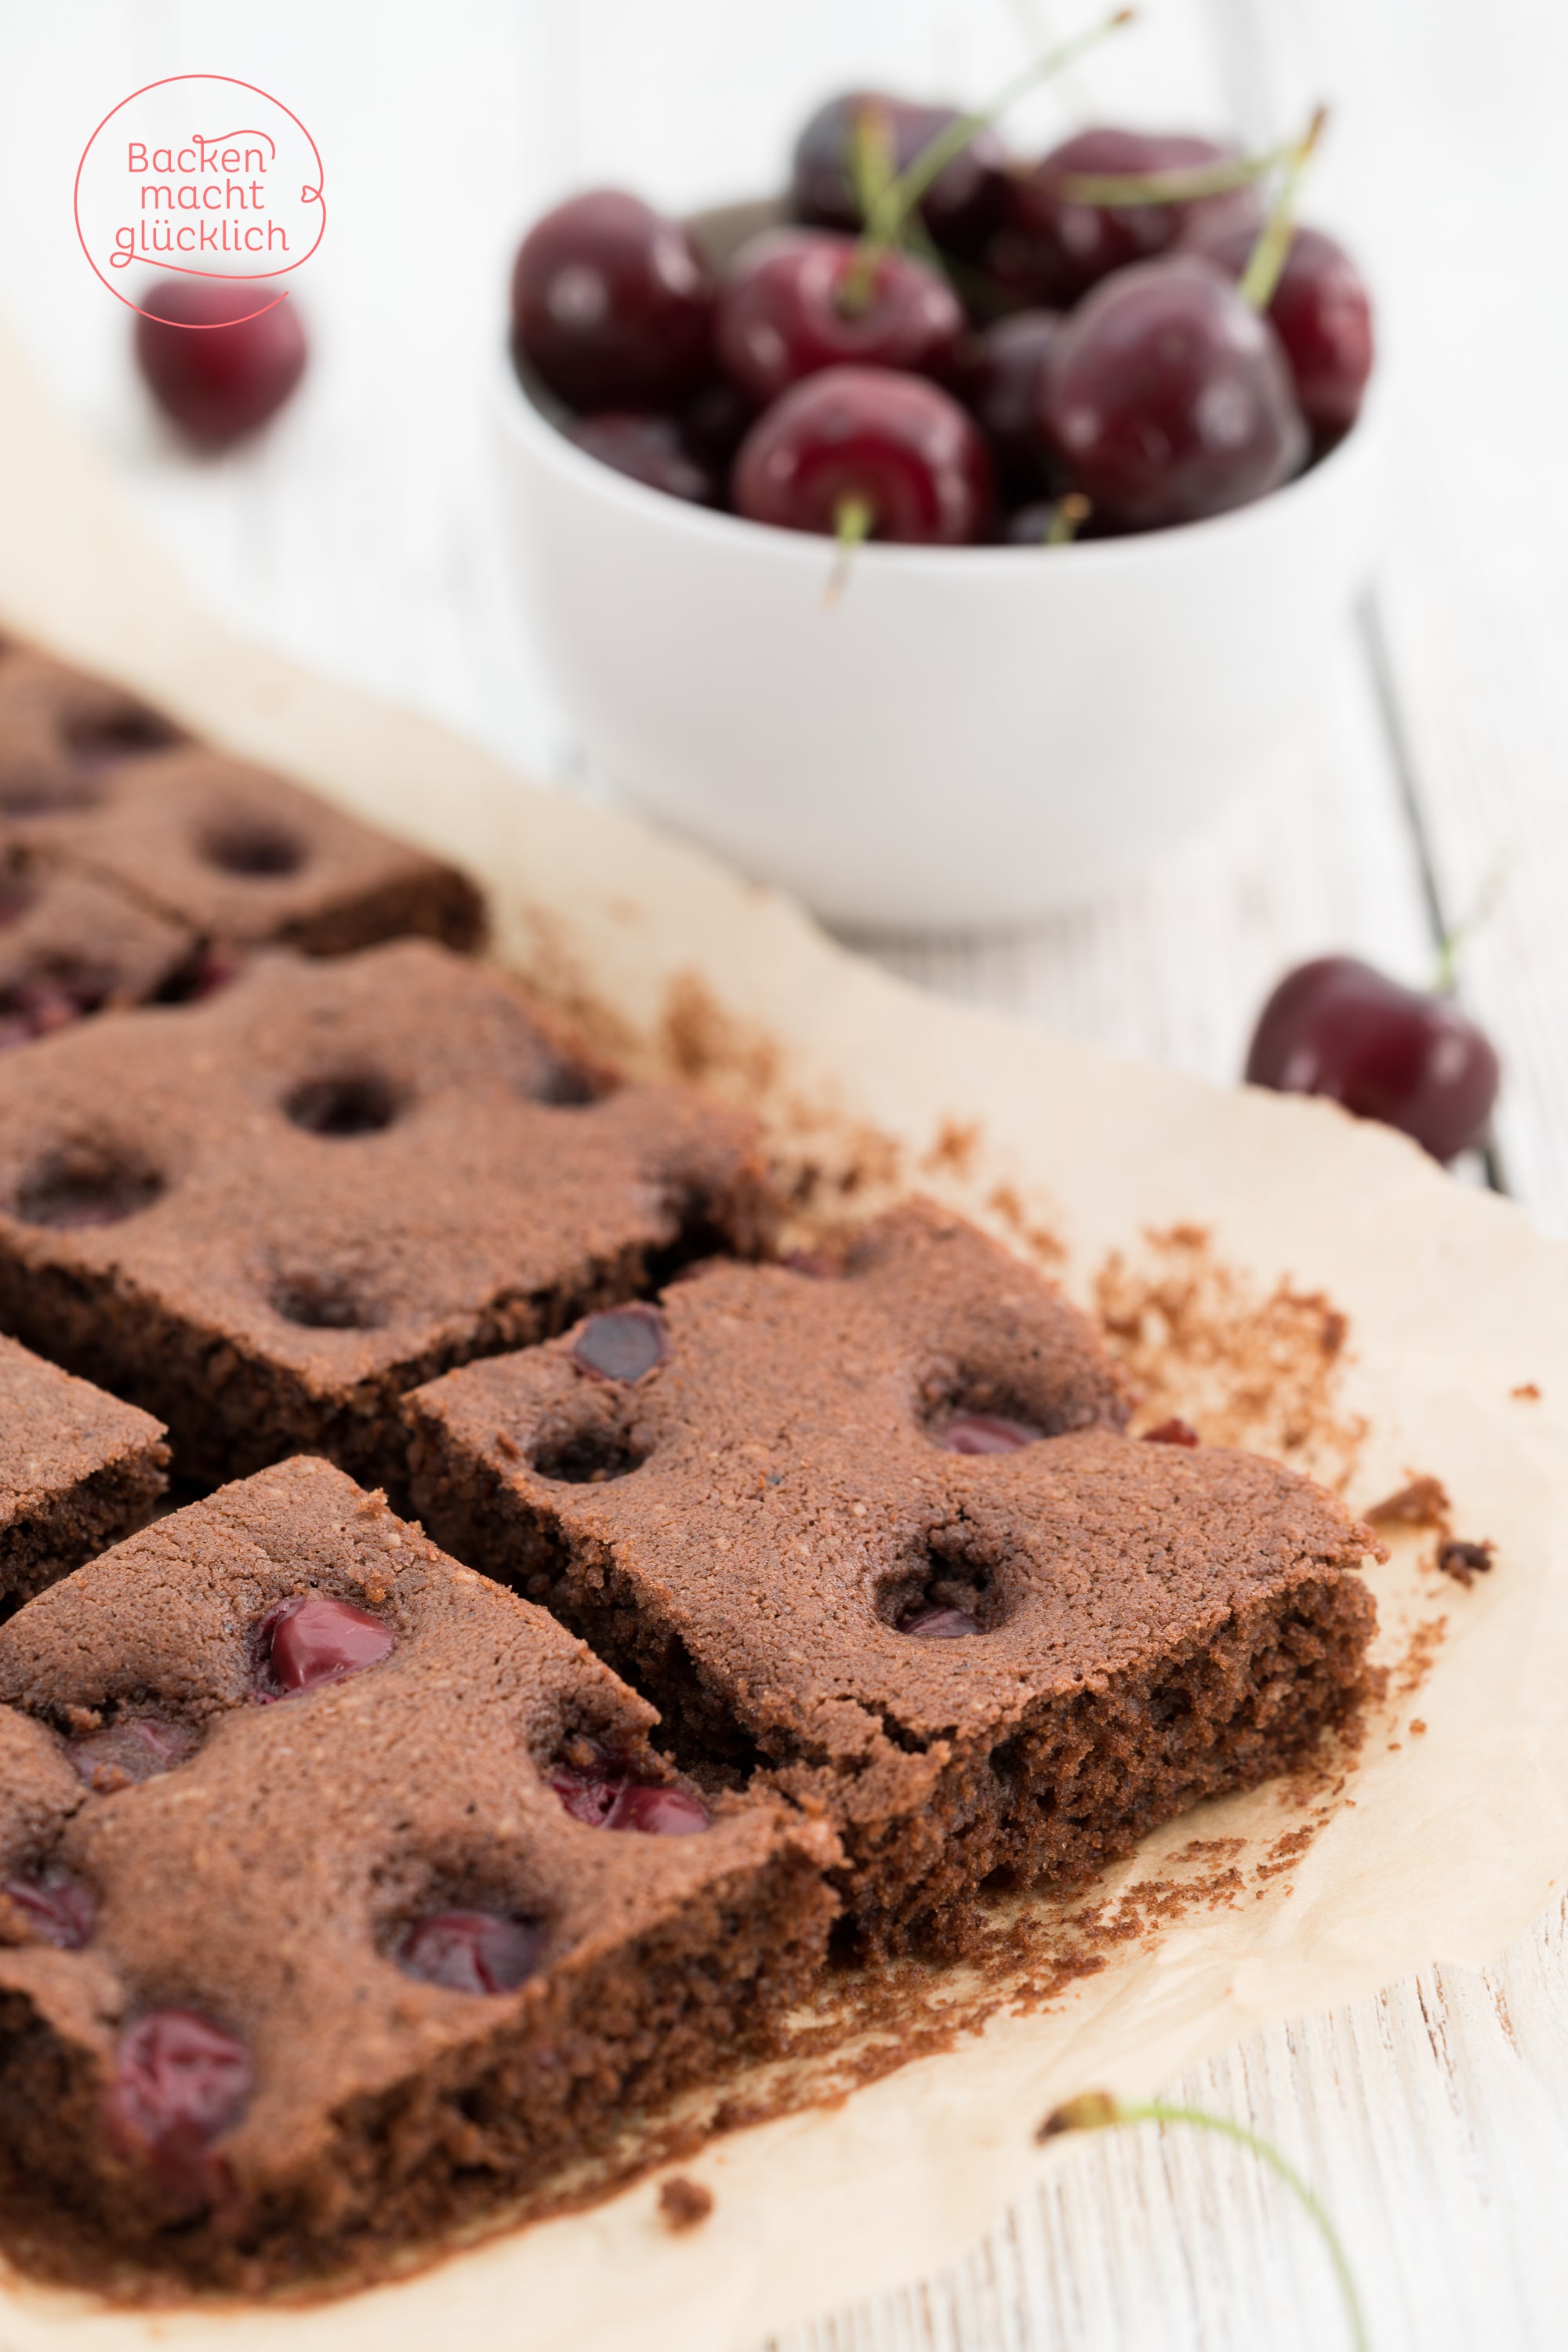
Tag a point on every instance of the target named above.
point(943, 542)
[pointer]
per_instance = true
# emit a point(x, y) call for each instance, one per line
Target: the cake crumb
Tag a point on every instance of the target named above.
point(683, 2203)
point(1418, 1729)
point(1464, 1561)
point(1528, 1390)
point(1424, 1503)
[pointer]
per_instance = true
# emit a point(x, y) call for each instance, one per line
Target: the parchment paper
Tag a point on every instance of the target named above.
point(1457, 1834)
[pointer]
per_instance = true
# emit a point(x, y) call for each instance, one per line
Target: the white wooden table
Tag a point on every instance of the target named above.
point(362, 536)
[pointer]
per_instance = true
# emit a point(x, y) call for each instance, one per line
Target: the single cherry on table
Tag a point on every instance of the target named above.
point(217, 362)
point(962, 204)
point(612, 305)
point(1170, 398)
point(798, 300)
point(1339, 1027)
point(896, 453)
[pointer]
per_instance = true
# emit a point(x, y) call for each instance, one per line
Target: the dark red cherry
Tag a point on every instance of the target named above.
point(714, 422)
point(608, 1800)
point(36, 1007)
point(220, 372)
point(622, 1344)
point(1170, 398)
point(1060, 248)
point(817, 1265)
point(898, 447)
point(214, 971)
point(930, 1622)
point(56, 1908)
point(1173, 1432)
point(658, 1813)
point(986, 1433)
point(612, 304)
point(957, 209)
point(1338, 1027)
point(650, 449)
point(1002, 381)
point(139, 1748)
point(315, 1639)
point(1321, 313)
point(793, 303)
point(472, 1952)
point(178, 2084)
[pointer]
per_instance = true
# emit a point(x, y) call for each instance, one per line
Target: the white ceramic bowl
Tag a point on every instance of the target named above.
point(970, 737)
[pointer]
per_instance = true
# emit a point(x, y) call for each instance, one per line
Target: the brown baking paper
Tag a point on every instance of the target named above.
point(1317, 1287)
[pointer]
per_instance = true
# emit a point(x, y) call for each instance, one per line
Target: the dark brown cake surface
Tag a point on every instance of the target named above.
point(235, 853)
point(264, 1216)
point(78, 1470)
point(71, 946)
point(979, 1660)
point(318, 1934)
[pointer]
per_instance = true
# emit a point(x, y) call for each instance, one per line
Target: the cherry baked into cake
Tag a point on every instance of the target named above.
point(343, 1899)
point(874, 1541)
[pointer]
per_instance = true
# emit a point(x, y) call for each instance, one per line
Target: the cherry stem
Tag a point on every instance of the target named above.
point(1272, 250)
point(1172, 187)
point(873, 163)
point(1482, 909)
point(1068, 519)
point(1098, 2111)
point(852, 522)
point(885, 216)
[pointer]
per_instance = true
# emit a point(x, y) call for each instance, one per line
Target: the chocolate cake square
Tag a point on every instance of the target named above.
point(879, 1542)
point(70, 945)
point(345, 1901)
point(264, 1216)
point(78, 1471)
point(235, 853)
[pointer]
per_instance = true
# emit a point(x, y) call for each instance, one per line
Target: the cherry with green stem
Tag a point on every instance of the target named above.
point(1098, 2111)
point(1169, 396)
point(798, 300)
point(1151, 188)
point(1408, 1057)
point(901, 195)
point(860, 453)
point(828, 187)
point(783, 317)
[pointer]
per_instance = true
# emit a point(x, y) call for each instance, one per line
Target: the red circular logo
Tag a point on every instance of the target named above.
point(202, 176)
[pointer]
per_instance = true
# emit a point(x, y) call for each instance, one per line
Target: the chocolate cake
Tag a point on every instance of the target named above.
point(70, 945)
point(264, 1216)
point(78, 1470)
point(230, 853)
point(879, 1542)
point(344, 1899)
